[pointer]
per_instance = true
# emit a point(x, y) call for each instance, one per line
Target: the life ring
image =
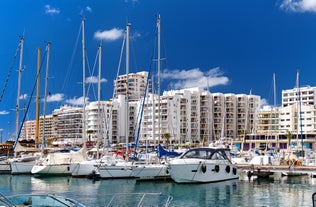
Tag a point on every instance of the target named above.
point(227, 169)
point(216, 168)
point(203, 167)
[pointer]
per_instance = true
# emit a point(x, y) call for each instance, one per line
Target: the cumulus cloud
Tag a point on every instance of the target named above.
point(88, 8)
point(4, 112)
point(94, 79)
point(77, 101)
point(50, 10)
point(194, 78)
point(55, 97)
point(299, 5)
point(109, 35)
point(23, 97)
point(263, 102)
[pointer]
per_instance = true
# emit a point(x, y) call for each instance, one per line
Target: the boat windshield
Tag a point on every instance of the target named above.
point(206, 153)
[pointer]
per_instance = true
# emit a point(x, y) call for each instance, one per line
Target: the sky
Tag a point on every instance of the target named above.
point(224, 46)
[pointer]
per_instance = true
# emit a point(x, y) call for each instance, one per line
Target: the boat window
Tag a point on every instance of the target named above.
point(218, 156)
point(192, 154)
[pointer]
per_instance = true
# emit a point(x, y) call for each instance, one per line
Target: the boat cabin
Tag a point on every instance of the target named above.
point(207, 153)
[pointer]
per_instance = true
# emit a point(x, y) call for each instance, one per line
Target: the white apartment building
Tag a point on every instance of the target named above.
point(306, 94)
point(195, 115)
point(136, 85)
point(67, 125)
point(28, 130)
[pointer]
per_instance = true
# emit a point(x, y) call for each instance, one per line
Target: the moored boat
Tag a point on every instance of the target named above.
point(202, 165)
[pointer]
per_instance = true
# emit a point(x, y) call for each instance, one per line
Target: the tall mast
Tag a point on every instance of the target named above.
point(127, 86)
point(300, 111)
point(99, 97)
point(19, 90)
point(45, 95)
point(83, 86)
point(274, 91)
point(37, 134)
point(158, 69)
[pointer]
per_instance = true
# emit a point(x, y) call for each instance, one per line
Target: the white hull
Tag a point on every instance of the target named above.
point(5, 168)
point(22, 167)
point(112, 172)
point(57, 169)
point(203, 165)
point(193, 173)
point(82, 169)
point(154, 171)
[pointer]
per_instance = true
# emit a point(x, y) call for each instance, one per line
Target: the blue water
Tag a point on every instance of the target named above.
point(288, 191)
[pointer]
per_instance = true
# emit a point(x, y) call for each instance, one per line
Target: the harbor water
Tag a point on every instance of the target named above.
point(286, 191)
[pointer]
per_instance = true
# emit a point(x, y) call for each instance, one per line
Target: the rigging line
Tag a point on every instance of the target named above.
point(10, 71)
point(91, 73)
point(29, 102)
point(134, 55)
point(72, 59)
point(107, 123)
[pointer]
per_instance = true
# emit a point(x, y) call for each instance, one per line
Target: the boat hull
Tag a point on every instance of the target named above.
point(200, 171)
point(82, 169)
point(149, 172)
point(61, 169)
point(116, 171)
point(22, 167)
point(5, 168)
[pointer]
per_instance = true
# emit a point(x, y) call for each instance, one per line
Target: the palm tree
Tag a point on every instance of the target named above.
point(289, 137)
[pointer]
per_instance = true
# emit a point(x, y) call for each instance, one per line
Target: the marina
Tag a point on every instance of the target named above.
point(286, 191)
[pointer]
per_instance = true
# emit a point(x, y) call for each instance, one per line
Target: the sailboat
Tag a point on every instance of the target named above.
point(5, 166)
point(24, 163)
point(58, 162)
point(87, 167)
point(120, 168)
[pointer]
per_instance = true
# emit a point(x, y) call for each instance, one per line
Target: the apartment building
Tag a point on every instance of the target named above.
point(28, 130)
point(136, 85)
point(304, 95)
point(67, 125)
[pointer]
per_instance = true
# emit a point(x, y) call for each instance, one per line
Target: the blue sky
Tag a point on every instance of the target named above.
point(226, 45)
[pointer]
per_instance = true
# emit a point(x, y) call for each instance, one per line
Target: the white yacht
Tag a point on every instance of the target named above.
point(202, 165)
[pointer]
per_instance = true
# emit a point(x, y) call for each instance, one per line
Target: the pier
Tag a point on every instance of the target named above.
point(267, 170)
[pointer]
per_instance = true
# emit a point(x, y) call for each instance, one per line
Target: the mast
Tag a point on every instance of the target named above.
point(45, 95)
point(37, 134)
point(127, 88)
point(153, 109)
point(300, 112)
point(83, 85)
point(158, 69)
point(19, 90)
point(99, 97)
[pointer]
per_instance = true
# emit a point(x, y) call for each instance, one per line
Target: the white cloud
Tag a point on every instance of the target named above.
point(23, 97)
point(264, 102)
point(299, 5)
point(88, 8)
point(55, 97)
point(4, 112)
point(50, 10)
point(77, 101)
point(94, 79)
point(109, 35)
point(194, 78)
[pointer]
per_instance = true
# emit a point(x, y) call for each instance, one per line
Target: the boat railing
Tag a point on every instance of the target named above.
point(139, 199)
point(5, 201)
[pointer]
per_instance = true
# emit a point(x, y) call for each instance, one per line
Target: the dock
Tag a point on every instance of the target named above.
point(267, 170)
